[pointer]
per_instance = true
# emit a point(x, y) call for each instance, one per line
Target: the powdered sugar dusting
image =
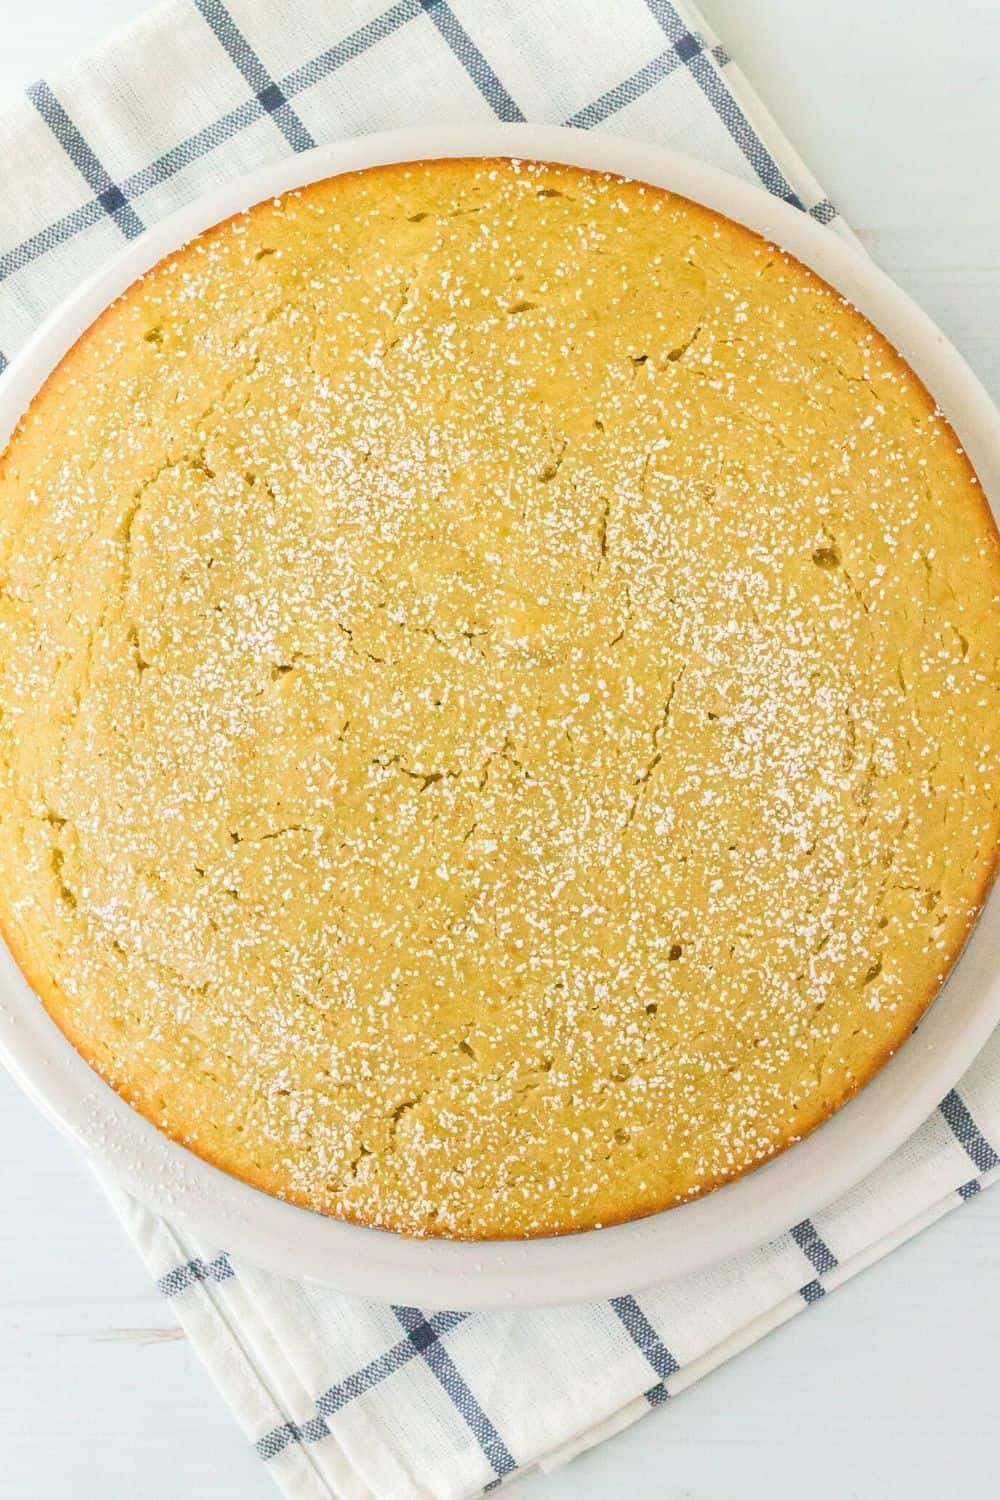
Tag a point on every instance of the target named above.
point(499, 690)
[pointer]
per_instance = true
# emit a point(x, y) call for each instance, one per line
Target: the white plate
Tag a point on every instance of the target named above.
point(440, 1273)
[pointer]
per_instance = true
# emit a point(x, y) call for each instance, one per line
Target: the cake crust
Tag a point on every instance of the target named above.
point(499, 697)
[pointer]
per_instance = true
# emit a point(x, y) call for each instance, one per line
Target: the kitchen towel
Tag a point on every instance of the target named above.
point(345, 1398)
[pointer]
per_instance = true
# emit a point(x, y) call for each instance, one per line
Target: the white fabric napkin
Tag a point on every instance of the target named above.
point(344, 1398)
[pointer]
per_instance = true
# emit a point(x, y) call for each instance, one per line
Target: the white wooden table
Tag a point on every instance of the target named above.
point(887, 1389)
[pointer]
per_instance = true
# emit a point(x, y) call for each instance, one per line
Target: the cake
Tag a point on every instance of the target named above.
point(498, 698)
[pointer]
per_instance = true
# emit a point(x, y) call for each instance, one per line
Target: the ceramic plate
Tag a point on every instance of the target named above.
point(597, 1263)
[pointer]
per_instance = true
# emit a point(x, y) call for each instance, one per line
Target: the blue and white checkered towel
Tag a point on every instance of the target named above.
point(344, 1398)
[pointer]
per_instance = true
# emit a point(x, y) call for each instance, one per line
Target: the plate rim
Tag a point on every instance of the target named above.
point(737, 1217)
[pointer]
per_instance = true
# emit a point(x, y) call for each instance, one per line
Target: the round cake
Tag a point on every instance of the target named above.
point(498, 698)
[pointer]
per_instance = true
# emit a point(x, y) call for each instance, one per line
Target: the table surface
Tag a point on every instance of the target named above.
point(888, 1388)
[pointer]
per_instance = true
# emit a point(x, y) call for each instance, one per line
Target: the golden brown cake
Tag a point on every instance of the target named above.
point(499, 688)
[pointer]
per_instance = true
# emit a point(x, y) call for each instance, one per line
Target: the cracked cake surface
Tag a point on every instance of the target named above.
point(498, 698)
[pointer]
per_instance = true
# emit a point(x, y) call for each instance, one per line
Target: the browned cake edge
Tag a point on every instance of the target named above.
point(52, 997)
